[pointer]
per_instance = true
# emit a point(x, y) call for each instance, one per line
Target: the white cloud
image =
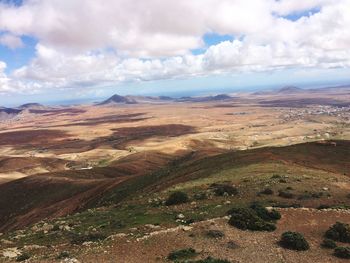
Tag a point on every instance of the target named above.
point(148, 40)
point(11, 41)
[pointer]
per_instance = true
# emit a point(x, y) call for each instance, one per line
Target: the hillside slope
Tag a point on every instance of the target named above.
point(61, 193)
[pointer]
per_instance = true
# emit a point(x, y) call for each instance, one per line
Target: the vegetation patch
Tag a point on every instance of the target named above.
point(22, 257)
point(342, 252)
point(328, 243)
point(177, 198)
point(210, 260)
point(63, 255)
point(339, 232)
point(182, 254)
point(247, 219)
point(224, 189)
point(294, 241)
point(92, 237)
point(309, 195)
point(215, 234)
point(267, 191)
point(286, 194)
point(265, 214)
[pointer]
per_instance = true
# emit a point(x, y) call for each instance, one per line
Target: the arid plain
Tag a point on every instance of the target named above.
point(66, 161)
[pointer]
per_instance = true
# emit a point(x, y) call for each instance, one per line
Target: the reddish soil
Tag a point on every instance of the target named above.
point(252, 246)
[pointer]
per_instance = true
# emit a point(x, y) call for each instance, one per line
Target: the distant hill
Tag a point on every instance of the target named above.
point(220, 97)
point(31, 106)
point(283, 90)
point(289, 90)
point(117, 99)
point(150, 99)
point(8, 113)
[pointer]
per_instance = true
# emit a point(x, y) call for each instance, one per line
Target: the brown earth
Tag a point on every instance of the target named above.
point(251, 246)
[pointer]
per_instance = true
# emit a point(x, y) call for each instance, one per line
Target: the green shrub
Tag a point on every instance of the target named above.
point(285, 194)
point(309, 195)
point(182, 254)
point(342, 252)
point(265, 214)
point(215, 234)
point(283, 181)
point(294, 240)
point(224, 189)
point(93, 237)
point(267, 191)
point(200, 196)
point(63, 255)
point(55, 228)
point(322, 206)
point(328, 243)
point(210, 260)
point(177, 198)
point(339, 232)
point(276, 176)
point(247, 219)
point(283, 205)
point(22, 257)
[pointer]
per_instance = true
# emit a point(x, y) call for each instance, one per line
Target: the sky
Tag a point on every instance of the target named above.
point(57, 50)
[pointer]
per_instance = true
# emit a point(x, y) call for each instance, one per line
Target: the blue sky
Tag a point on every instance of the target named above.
point(46, 56)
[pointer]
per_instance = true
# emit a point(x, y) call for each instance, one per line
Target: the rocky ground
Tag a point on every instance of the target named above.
point(236, 245)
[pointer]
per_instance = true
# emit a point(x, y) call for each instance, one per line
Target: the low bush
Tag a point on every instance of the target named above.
point(247, 219)
point(267, 191)
point(308, 195)
point(276, 176)
point(283, 181)
point(200, 196)
point(294, 241)
point(22, 257)
point(224, 189)
point(215, 234)
point(93, 237)
point(182, 254)
point(339, 232)
point(55, 228)
point(265, 214)
point(328, 243)
point(342, 252)
point(177, 198)
point(285, 194)
point(210, 260)
point(63, 255)
point(283, 205)
point(322, 206)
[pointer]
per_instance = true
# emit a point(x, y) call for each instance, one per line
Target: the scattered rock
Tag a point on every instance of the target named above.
point(6, 242)
point(186, 228)
point(71, 260)
point(11, 252)
point(32, 247)
point(180, 216)
point(88, 243)
point(152, 226)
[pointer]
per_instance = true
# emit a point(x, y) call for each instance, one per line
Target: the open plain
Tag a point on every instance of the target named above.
point(105, 170)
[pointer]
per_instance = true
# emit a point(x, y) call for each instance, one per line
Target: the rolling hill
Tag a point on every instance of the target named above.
point(304, 167)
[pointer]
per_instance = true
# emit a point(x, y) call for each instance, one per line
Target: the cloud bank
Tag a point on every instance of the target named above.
point(87, 43)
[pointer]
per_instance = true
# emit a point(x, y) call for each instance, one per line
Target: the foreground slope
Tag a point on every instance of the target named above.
point(312, 175)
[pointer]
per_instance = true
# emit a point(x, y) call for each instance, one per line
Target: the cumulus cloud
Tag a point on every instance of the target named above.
point(11, 41)
point(86, 43)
